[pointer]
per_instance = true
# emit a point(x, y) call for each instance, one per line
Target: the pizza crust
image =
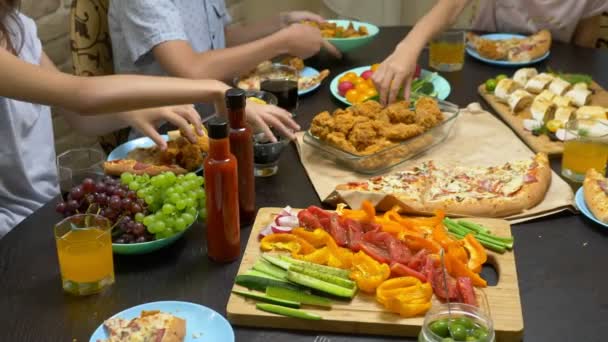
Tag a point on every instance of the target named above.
point(595, 198)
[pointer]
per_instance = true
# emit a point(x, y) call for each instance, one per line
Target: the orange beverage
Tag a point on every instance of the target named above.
point(587, 148)
point(446, 51)
point(84, 249)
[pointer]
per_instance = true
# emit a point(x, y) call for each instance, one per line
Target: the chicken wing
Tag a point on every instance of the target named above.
point(363, 135)
point(322, 124)
point(370, 109)
point(399, 112)
point(401, 131)
point(428, 114)
point(339, 140)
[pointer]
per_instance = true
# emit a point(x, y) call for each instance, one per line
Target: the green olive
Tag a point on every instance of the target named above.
point(458, 332)
point(480, 333)
point(501, 77)
point(471, 339)
point(447, 339)
point(491, 85)
point(464, 321)
point(440, 328)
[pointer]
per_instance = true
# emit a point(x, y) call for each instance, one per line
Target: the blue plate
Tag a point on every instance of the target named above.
point(442, 86)
point(202, 323)
point(501, 36)
point(309, 72)
point(582, 206)
point(121, 151)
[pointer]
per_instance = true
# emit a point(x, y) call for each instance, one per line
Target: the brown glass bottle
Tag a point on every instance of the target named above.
point(241, 146)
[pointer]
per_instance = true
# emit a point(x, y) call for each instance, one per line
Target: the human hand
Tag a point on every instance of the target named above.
point(263, 116)
point(146, 121)
point(305, 41)
point(293, 17)
point(395, 71)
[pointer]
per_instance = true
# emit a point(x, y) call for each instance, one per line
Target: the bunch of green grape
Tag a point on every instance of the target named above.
point(173, 201)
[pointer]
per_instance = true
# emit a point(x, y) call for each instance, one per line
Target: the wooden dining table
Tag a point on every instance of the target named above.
point(560, 259)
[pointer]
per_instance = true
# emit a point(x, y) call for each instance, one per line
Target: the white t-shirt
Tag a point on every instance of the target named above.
point(529, 16)
point(28, 175)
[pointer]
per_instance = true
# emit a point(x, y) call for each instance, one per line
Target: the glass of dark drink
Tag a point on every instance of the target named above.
point(282, 81)
point(74, 165)
point(266, 154)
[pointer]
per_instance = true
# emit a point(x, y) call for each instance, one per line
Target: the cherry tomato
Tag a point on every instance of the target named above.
point(358, 80)
point(345, 86)
point(352, 95)
point(375, 66)
point(362, 87)
point(370, 83)
point(371, 92)
point(366, 75)
point(418, 71)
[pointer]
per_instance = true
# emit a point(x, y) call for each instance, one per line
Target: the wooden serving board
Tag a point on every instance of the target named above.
point(540, 143)
point(363, 315)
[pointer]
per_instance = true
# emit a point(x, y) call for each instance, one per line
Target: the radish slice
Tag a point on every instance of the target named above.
point(265, 232)
point(287, 221)
point(287, 211)
point(281, 229)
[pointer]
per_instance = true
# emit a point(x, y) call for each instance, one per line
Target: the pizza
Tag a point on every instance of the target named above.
point(494, 191)
point(513, 49)
point(595, 188)
point(119, 166)
point(150, 326)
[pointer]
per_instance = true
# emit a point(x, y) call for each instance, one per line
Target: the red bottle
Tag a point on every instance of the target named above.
point(223, 229)
point(241, 146)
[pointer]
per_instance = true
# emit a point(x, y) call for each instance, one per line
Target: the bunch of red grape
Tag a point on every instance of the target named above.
point(113, 200)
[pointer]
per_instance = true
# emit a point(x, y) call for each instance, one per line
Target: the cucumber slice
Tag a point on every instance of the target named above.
point(297, 296)
point(261, 283)
point(338, 272)
point(255, 273)
point(330, 278)
point(284, 311)
point(264, 266)
point(276, 261)
point(323, 286)
point(268, 299)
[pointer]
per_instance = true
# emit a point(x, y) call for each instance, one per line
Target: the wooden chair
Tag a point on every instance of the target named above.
point(92, 51)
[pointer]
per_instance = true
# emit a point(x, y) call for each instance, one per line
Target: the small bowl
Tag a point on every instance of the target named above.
point(350, 44)
point(266, 154)
point(262, 95)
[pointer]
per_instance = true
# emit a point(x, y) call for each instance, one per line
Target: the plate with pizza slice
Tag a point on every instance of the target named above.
point(507, 49)
point(166, 321)
point(592, 198)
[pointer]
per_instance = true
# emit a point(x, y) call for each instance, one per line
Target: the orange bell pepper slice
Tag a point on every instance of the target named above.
point(455, 249)
point(417, 243)
point(477, 253)
point(458, 269)
point(369, 210)
point(367, 272)
point(440, 235)
point(286, 242)
point(317, 238)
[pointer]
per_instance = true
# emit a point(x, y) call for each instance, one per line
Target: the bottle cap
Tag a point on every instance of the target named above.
point(235, 98)
point(217, 128)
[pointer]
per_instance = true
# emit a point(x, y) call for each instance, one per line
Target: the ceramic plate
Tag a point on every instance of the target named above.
point(121, 151)
point(309, 72)
point(442, 86)
point(582, 206)
point(500, 36)
point(349, 44)
point(202, 323)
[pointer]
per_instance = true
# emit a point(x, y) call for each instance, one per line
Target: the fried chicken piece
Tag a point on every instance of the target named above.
point(339, 140)
point(428, 114)
point(294, 62)
point(322, 124)
point(380, 145)
point(399, 112)
point(190, 157)
point(401, 131)
point(370, 109)
point(363, 135)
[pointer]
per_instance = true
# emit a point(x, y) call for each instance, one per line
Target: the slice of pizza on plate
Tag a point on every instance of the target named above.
point(152, 326)
point(595, 188)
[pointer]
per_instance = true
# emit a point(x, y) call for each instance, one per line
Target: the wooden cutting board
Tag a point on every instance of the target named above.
point(540, 143)
point(363, 315)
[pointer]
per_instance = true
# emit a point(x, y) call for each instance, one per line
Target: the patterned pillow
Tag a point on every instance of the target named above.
point(92, 50)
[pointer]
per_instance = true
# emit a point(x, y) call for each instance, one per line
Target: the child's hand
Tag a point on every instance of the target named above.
point(396, 70)
point(262, 116)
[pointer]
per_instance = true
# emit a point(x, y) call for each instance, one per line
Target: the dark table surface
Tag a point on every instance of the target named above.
point(562, 278)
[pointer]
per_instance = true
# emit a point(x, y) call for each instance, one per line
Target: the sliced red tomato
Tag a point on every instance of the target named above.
point(325, 223)
point(418, 260)
point(400, 270)
point(318, 212)
point(428, 268)
point(466, 291)
point(375, 252)
point(398, 251)
point(337, 231)
point(355, 233)
point(370, 226)
point(439, 288)
point(377, 238)
point(308, 220)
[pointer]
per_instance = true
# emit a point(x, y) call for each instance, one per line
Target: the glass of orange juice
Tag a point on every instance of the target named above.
point(586, 147)
point(446, 51)
point(84, 249)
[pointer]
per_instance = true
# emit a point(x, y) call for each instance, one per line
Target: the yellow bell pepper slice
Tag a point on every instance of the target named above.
point(367, 272)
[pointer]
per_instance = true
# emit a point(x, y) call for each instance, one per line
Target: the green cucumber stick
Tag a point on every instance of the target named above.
point(285, 311)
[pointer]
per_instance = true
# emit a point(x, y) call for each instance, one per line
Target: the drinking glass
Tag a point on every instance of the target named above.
point(77, 164)
point(282, 81)
point(585, 147)
point(84, 249)
point(446, 51)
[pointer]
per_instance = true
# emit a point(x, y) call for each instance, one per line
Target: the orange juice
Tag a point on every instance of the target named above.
point(582, 155)
point(446, 51)
point(85, 254)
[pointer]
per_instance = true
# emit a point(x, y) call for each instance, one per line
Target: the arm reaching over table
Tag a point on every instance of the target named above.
point(399, 67)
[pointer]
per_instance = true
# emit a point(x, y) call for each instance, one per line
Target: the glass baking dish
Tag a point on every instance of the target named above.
point(393, 155)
